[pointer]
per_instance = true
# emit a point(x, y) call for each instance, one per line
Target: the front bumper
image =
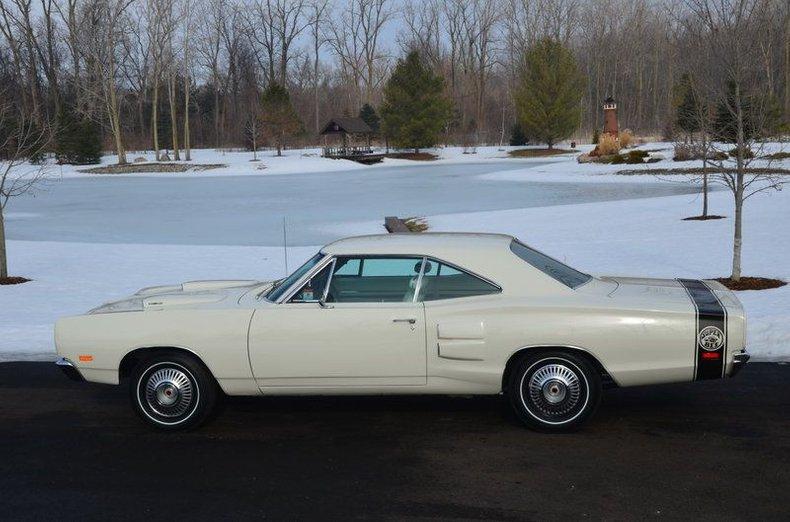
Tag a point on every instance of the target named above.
point(69, 369)
point(739, 360)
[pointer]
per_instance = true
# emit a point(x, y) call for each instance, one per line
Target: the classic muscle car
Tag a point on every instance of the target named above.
point(434, 313)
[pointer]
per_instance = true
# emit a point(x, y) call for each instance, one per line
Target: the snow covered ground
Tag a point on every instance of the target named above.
point(616, 237)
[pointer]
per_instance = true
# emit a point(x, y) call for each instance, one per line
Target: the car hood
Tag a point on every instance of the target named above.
point(192, 294)
point(195, 293)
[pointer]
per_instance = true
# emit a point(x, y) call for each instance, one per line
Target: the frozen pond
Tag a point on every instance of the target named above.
point(249, 210)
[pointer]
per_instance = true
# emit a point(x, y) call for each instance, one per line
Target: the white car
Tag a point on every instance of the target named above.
point(409, 314)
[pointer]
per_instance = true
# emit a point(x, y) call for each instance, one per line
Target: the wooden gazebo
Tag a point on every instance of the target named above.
point(349, 131)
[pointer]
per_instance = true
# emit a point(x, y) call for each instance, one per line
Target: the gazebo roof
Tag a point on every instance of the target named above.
point(346, 125)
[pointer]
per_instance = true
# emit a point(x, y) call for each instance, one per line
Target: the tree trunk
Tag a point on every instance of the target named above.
point(3, 258)
point(171, 95)
point(704, 193)
point(705, 145)
point(115, 122)
point(155, 117)
point(739, 188)
point(187, 144)
point(737, 232)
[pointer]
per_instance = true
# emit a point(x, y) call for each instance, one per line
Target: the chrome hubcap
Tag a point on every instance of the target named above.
point(554, 390)
point(169, 392)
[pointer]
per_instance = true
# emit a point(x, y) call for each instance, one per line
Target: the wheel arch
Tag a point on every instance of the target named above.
point(606, 378)
point(135, 356)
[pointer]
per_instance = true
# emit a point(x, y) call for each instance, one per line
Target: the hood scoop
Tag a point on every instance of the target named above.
point(179, 300)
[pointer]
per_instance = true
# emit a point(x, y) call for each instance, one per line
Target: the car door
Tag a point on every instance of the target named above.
point(354, 323)
point(463, 313)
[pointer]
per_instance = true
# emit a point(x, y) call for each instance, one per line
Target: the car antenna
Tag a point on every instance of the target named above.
point(285, 247)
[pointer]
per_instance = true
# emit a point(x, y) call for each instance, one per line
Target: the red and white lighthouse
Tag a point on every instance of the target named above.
point(610, 117)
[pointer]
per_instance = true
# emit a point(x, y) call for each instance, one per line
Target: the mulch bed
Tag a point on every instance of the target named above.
point(537, 153)
point(699, 170)
point(704, 218)
point(414, 156)
point(139, 168)
point(751, 283)
point(13, 280)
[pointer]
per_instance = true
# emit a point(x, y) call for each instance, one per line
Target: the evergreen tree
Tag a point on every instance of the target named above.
point(78, 140)
point(164, 126)
point(369, 116)
point(549, 94)
point(688, 106)
point(725, 121)
point(88, 146)
point(517, 136)
point(415, 109)
point(279, 120)
point(596, 136)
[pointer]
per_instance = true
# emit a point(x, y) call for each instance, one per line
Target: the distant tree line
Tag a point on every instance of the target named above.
point(177, 74)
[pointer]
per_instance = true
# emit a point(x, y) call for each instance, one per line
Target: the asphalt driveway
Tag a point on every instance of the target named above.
point(711, 450)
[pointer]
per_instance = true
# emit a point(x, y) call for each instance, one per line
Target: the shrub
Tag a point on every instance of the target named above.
point(596, 137)
point(747, 153)
point(687, 152)
point(517, 136)
point(618, 159)
point(608, 144)
point(636, 156)
point(626, 138)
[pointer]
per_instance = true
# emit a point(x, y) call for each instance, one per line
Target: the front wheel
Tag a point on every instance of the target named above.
point(173, 391)
point(554, 391)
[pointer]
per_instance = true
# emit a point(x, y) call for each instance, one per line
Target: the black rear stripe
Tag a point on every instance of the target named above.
point(709, 364)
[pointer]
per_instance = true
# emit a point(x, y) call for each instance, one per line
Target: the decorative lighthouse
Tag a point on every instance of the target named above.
point(610, 117)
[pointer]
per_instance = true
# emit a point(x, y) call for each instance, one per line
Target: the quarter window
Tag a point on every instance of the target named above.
point(374, 279)
point(566, 275)
point(442, 281)
point(313, 290)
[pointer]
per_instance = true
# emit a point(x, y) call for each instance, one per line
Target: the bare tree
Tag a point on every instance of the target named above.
point(105, 31)
point(22, 138)
point(317, 25)
point(187, 77)
point(356, 42)
point(731, 27)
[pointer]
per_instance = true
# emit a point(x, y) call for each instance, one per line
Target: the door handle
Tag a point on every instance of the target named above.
point(410, 320)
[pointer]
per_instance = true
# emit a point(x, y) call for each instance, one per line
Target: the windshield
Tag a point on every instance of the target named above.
point(561, 272)
point(282, 285)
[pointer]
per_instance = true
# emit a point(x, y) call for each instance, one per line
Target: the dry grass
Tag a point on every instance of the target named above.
point(607, 145)
point(751, 283)
point(537, 153)
point(626, 138)
point(136, 168)
point(416, 224)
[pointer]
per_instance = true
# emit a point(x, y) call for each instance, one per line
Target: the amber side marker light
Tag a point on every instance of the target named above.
point(86, 358)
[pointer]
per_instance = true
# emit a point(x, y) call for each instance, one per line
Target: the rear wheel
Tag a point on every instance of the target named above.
point(173, 391)
point(554, 391)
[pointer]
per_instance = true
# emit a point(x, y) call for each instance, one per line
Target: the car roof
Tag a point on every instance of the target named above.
point(487, 255)
point(439, 244)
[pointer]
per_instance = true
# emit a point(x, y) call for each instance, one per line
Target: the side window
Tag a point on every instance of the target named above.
point(374, 279)
point(442, 281)
point(313, 289)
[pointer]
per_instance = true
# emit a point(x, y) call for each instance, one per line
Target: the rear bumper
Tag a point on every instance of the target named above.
point(739, 360)
point(69, 369)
